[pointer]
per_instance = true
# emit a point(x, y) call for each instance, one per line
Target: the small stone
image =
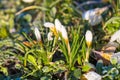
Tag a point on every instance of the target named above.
point(92, 76)
point(116, 55)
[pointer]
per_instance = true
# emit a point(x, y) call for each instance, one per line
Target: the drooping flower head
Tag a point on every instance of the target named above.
point(88, 37)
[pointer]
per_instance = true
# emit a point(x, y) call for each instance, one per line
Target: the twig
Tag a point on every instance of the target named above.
point(30, 8)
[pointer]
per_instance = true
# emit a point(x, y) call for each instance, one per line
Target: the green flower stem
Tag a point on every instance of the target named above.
point(87, 55)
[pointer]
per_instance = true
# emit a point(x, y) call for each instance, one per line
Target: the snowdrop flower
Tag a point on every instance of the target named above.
point(49, 36)
point(37, 34)
point(52, 27)
point(61, 29)
point(28, 1)
point(58, 28)
point(115, 37)
point(88, 37)
point(94, 15)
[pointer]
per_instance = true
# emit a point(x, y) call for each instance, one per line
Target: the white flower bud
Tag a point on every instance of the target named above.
point(37, 34)
point(88, 37)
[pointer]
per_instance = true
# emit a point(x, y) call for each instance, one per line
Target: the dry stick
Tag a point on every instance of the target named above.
point(29, 8)
point(66, 75)
point(104, 9)
point(53, 52)
point(89, 2)
point(86, 3)
point(77, 4)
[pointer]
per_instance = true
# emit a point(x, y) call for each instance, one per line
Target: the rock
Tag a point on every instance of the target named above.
point(92, 76)
point(116, 55)
point(115, 37)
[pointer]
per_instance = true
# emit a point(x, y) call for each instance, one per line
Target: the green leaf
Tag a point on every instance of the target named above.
point(28, 17)
point(53, 11)
point(118, 66)
point(42, 54)
point(25, 58)
point(113, 60)
point(46, 69)
point(77, 73)
point(99, 66)
point(45, 78)
point(87, 67)
point(4, 70)
point(63, 48)
point(113, 19)
point(11, 23)
point(54, 3)
point(32, 60)
point(3, 32)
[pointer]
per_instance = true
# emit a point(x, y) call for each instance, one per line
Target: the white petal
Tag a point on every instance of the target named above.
point(49, 36)
point(88, 36)
point(58, 25)
point(48, 24)
point(37, 34)
point(64, 32)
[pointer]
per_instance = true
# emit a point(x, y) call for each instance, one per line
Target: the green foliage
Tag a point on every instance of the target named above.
point(75, 74)
point(87, 67)
point(99, 66)
point(51, 60)
point(3, 32)
point(112, 25)
point(75, 46)
point(4, 70)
